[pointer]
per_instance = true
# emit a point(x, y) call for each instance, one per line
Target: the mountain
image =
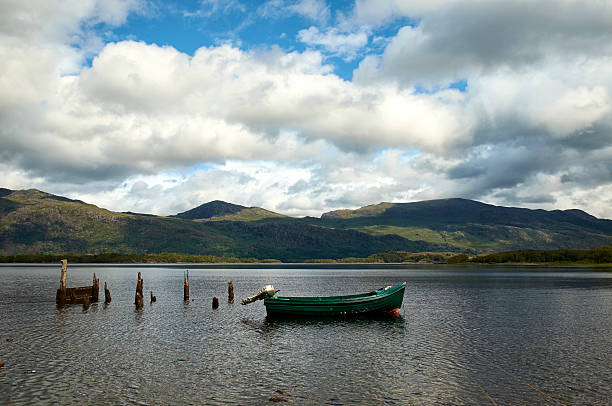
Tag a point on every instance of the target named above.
point(34, 222)
point(464, 211)
point(471, 224)
point(219, 210)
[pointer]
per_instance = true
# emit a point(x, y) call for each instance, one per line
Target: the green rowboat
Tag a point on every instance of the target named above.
point(387, 299)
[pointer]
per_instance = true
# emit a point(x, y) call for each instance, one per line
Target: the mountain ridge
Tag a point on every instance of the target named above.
point(32, 222)
point(464, 210)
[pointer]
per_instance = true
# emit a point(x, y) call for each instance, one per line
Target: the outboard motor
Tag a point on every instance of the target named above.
point(266, 291)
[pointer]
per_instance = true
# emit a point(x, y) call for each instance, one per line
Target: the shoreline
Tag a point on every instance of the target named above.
point(308, 264)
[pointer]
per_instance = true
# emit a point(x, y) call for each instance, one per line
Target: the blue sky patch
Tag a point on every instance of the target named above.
point(190, 25)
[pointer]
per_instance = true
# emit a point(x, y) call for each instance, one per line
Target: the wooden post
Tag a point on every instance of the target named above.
point(95, 289)
point(85, 302)
point(153, 297)
point(107, 296)
point(60, 297)
point(186, 287)
point(215, 303)
point(63, 275)
point(138, 300)
point(230, 292)
point(138, 286)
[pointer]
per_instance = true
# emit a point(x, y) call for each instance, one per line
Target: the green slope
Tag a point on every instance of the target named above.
point(34, 222)
point(294, 240)
point(473, 225)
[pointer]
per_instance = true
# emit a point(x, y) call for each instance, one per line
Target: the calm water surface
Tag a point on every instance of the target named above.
point(518, 336)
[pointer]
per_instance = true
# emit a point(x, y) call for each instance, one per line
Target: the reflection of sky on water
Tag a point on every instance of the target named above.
point(466, 334)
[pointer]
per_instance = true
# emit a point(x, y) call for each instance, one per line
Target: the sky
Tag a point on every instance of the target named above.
point(306, 106)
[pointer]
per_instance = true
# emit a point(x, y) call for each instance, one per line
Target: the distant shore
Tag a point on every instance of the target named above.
point(598, 257)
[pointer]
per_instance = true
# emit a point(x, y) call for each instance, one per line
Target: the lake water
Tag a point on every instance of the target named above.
point(520, 336)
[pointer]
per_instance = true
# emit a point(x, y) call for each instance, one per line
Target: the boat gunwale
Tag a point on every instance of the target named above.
point(326, 300)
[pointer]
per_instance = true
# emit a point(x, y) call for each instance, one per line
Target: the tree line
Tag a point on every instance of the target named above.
point(600, 255)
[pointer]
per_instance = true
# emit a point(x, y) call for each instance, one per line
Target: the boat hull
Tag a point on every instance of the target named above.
point(380, 301)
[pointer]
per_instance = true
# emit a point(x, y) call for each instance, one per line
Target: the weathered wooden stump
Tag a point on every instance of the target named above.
point(95, 289)
point(86, 303)
point(76, 295)
point(230, 292)
point(215, 303)
point(60, 297)
point(186, 287)
point(107, 295)
point(153, 297)
point(138, 299)
point(137, 287)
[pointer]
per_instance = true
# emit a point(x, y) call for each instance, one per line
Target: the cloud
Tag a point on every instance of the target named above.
point(209, 8)
point(53, 22)
point(314, 10)
point(197, 108)
point(464, 39)
point(334, 42)
point(148, 128)
point(380, 11)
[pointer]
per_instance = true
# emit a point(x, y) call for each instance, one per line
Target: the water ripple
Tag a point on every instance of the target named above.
point(465, 339)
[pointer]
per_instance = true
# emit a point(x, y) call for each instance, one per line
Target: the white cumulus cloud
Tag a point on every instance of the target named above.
point(150, 128)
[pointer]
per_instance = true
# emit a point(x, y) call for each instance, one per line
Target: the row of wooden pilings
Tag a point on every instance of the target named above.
point(139, 297)
point(89, 294)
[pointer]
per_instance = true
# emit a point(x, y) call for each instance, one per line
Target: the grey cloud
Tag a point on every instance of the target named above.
point(503, 166)
point(508, 128)
point(532, 172)
point(468, 38)
point(593, 138)
point(508, 151)
point(593, 173)
point(298, 187)
point(543, 198)
point(512, 197)
point(465, 170)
